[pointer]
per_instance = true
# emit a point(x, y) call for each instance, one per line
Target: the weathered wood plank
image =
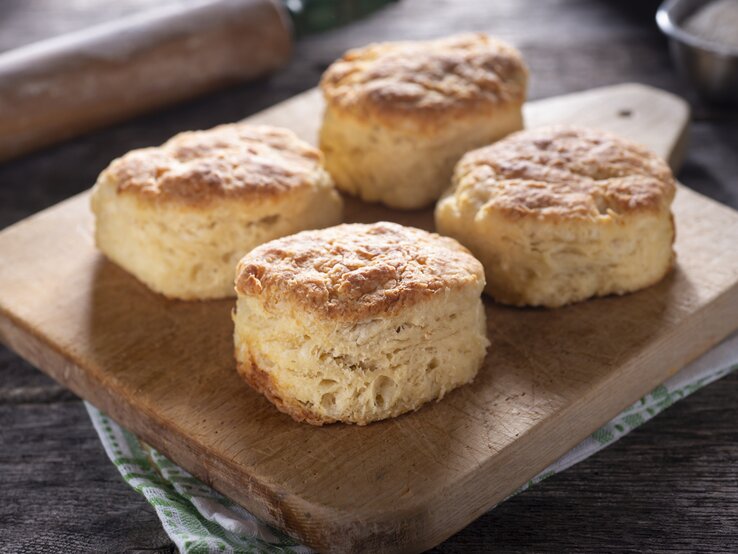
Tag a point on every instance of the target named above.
point(59, 492)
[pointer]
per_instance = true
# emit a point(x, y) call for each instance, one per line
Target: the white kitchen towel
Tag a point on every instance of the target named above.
point(201, 520)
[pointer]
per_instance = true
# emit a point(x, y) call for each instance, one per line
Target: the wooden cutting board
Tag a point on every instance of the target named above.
point(164, 369)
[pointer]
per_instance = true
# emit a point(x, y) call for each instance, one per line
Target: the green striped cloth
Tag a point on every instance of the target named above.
point(200, 520)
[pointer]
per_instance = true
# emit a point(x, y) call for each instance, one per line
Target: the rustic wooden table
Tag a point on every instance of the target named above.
point(672, 485)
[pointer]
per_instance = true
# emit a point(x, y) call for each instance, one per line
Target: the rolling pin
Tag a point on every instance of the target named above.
point(62, 87)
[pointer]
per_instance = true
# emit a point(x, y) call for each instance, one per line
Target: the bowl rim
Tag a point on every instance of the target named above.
point(672, 29)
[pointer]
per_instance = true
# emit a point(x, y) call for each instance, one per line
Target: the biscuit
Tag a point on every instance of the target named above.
point(357, 323)
point(399, 115)
point(560, 214)
point(179, 217)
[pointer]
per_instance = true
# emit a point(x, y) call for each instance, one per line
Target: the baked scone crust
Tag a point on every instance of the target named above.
point(561, 214)
point(353, 271)
point(179, 217)
point(234, 161)
point(427, 82)
point(562, 173)
point(358, 323)
point(399, 115)
point(263, 382)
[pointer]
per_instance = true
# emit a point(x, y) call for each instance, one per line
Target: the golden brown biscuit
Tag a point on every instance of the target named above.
point(357, 323)
point(561, 214)
point(180, 216)
point(399, 115)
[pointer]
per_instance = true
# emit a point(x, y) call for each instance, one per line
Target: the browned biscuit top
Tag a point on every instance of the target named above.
point(352, 271)
point(563, 172)
point(233, 161)
point(453, 76)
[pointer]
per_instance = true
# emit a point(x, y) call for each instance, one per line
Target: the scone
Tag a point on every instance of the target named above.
point(561, 214)
point(179, 217)
point(399, 115)
point(357, 323)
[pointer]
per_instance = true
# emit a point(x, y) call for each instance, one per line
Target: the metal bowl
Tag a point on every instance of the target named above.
point(712, 68)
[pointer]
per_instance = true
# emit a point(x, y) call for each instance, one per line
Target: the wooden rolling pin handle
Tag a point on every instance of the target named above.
point(65, 86)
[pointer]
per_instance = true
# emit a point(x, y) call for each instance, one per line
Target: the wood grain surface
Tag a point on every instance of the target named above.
point(164, 369)
point(669, 486)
